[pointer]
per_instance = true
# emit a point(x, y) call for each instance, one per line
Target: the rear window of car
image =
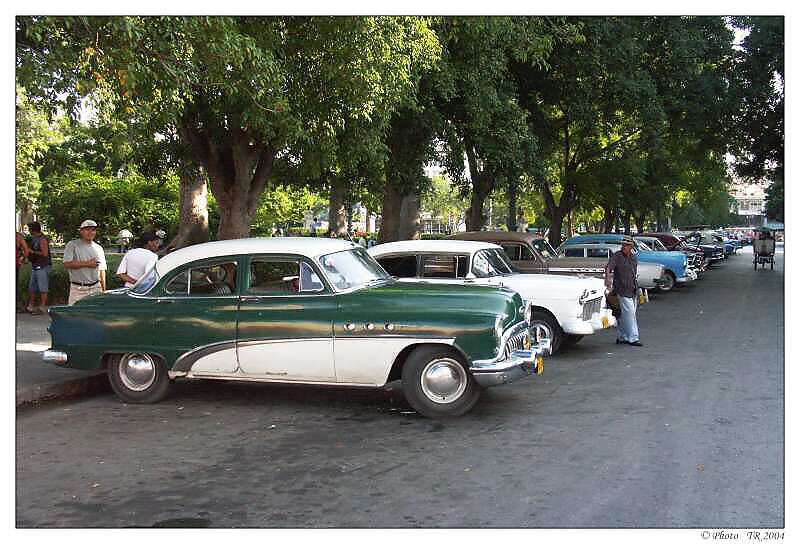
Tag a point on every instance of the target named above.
point(444, 266)
point(573, 252)
point(400, 266)
point(597, 252)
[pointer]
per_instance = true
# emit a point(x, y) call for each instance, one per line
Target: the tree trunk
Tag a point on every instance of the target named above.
point(337, 215)
point(26, 213)
point(237, 164)
point(475, 216)
point(390, 213)
point(511, 218)
point(640, 223)
point(193, 228)
point(627, 223)
point(556, 212)
point(610, 215)
point(409, 226)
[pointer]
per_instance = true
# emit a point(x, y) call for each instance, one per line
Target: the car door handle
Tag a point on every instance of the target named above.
point(164, 301)
point(250, 299)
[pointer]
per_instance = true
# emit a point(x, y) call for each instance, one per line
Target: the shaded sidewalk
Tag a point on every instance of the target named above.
point(36, 380)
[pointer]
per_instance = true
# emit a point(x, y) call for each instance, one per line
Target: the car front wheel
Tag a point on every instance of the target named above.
point(436, 383)
point(668, 286)
point(138, 377)
point(545, 326)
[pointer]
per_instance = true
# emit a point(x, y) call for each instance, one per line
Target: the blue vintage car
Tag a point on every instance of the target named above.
point(675, 262)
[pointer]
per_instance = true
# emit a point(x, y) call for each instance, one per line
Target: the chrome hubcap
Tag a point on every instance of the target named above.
point(443, 380)
point(137, 371)
point(541, 331)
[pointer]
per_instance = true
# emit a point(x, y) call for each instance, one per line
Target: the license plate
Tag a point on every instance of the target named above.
point(540, 365)
point(605, 322)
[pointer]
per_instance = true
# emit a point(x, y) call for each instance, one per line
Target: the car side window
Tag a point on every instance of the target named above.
point(597, 252)
point(573, 252)
point(178, 285)
point(444, 266)
point(272, 277)
point(512, 250)
point(218, 279)
point(401, 266)
point(213, 280)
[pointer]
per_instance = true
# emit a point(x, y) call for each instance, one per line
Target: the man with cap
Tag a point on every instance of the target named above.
point(85, 261)
point(138, 261)
point(621, 280)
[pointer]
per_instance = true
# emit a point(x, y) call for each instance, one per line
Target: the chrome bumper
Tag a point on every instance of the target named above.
point(57, 357)
point(521, 363)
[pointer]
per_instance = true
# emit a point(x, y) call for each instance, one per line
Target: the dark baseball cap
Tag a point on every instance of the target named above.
point(149, 237)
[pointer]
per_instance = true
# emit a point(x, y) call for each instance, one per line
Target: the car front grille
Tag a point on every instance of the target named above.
point(515, 342)
point(591, 307)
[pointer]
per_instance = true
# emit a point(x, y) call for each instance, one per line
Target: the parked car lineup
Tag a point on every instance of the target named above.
point(564, 308)
point(675, 263)
point(444, 318)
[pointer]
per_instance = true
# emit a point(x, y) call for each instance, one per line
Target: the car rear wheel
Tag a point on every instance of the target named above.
point(436, 382)
point(138, 377)
point(670, 283)
point(546, 326)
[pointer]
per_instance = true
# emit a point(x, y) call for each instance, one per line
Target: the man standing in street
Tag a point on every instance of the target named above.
point(138, 261)
point(85, 261)
point(621, 280)
point(39, 257)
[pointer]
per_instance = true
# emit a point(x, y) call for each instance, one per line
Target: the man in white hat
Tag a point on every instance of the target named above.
point(85, 261)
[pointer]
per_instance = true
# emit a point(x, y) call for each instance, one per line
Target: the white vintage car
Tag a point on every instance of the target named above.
point(565, 308)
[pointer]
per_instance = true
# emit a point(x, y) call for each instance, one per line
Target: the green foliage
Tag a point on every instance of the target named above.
point(281, 206)
point(238, 92)
point(757, 82)
point(34, 136)
point(774, 201)
point(442, 199)
point(130, 202)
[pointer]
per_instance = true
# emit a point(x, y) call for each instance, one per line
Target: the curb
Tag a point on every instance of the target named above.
point(86, 385)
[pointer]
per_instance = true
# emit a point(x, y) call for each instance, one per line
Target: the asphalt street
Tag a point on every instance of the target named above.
point(686, 431)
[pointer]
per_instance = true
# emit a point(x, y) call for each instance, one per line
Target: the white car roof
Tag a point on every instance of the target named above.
point(432, 246)
point(308, 247)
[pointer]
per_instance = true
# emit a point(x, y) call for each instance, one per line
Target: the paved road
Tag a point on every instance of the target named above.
point(685, 432)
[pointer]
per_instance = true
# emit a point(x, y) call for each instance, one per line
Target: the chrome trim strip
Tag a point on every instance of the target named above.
point(247, 378)
point(577, 269)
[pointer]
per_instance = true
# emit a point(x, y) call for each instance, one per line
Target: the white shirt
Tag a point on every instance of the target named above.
point(136, 262)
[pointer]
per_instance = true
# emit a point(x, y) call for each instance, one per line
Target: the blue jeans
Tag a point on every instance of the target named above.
point(39, 280)
point(627, 328)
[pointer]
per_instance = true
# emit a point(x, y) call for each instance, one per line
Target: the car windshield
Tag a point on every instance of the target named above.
point(545, 248)
point(145, 282)
point(491, 262)
point(352, 269)
point(658, 245)
point(641, 246)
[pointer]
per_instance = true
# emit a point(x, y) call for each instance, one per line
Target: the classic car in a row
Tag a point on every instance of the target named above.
point(695, 261)
point(531, 254)
point(300, 310)
point(674, 262)
point(648, 275)
point(565, 308)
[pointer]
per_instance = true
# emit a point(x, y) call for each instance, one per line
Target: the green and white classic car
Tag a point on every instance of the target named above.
point(298, 310)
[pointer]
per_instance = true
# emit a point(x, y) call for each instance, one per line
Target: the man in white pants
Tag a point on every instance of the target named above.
point(85, 261)
point(138, 261)
point(621, 279)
